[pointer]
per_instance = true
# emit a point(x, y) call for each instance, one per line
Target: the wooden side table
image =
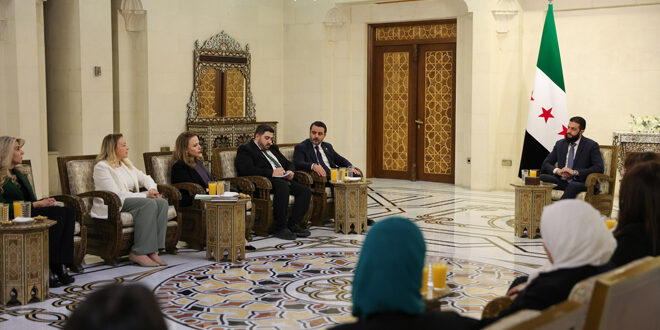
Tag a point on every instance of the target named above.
point(225, 229)
point(351, 206)
point(530, 200)
point(24, 262)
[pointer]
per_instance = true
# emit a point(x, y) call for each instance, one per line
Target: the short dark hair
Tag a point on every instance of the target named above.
point(634, 158)
point(263, 128)
point(130, 307)
point(580, 121)
point(319, 124)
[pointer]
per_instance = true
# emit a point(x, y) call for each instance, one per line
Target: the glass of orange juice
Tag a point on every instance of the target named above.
point(611, 223)
point(333, 175)
point(213, 186)
point(4, 212)
point(219, 187)
point(18, 209)
point(425, 279)
point(533, 173)
point(439, 271)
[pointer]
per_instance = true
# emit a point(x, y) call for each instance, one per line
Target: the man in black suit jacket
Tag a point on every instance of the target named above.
point(261, 157)
point(315, 155)
point(576, 157)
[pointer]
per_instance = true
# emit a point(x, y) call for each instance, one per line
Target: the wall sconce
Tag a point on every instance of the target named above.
point(97, 71)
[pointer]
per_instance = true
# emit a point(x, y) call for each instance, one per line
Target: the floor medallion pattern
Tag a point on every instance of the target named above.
point(301, 290)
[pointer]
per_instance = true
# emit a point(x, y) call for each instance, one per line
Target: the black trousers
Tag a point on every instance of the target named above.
point(281, 192)
point(60, 235)
point(571, 189)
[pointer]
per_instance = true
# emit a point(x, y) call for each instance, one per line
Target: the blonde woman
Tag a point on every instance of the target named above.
point(114, 172)
point(188, 167)
point(15, 186)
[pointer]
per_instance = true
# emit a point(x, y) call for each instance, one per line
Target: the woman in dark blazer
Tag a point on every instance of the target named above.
point(15, 186)
point(188, 167)
point(638, 230)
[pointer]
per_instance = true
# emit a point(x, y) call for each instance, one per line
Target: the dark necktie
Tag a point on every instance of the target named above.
point(320, 161)
point(277, 164)
point(571, 156)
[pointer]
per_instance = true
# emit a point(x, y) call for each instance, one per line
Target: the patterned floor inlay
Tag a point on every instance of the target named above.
point(306, 283)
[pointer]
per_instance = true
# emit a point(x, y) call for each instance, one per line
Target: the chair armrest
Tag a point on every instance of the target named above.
point(192, 188)
point(318, 187)
point(110, 199)
point(593, 178)
point(243, 185)
point(262, 186)
point(494, 307)
point(171, 193)
point(74, 202)
point(303, 177)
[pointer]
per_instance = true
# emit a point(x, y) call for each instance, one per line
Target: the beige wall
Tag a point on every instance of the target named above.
point(309, 63)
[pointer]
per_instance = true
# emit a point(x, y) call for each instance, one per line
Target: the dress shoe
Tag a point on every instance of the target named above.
point(53, 281)
point(250, 248)
point(299, 231)
point(285, 233)
point(63, 274)
point(142, 260)
point(370, 222)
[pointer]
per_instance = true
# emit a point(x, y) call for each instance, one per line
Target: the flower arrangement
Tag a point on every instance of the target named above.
point(645, 124)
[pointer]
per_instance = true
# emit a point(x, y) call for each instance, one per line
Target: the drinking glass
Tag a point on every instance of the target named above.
point(26, 209)
point(349, 172)
point(219, 188)
point(333, 175)
point(611, 223)
point(226, 186)
point(342, 174)
point(534, 173)
point(4, 212)
point(524, 174)
point(213, 186)
point(439, 271)
point(17, 209)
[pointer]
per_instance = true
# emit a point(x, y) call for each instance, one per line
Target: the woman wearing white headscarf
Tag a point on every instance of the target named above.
point(578, 245)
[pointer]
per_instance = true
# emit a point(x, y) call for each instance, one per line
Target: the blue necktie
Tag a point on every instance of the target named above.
point(571, 156)
point(320, 161)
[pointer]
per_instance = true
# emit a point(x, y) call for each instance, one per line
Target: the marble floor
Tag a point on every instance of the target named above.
point(307, 283)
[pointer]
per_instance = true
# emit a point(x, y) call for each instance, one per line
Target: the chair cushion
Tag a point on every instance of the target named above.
point(127, 218)
point(556, 195)
point(606, 153)
point(292, 199)
point(76, 228)
point(287, 152)
point(328, 192)
point(162, 169)
point(227, 163)
point(80, 173)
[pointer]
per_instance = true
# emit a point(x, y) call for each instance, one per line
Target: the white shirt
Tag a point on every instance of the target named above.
point(323, 155)
point(269, 153)
point(577, 143)
point(123, 181)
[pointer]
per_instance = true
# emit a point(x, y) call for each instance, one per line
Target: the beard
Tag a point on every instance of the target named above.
point(572, 139)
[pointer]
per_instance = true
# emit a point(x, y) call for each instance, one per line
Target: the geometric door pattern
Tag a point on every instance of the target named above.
point(395, 111)
point(438, 94)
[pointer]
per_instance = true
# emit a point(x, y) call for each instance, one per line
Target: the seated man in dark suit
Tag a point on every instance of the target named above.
point(576, 157)
point(261, 157)
point(315, 155)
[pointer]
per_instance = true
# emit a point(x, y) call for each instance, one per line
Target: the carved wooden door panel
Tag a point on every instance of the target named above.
point(411, 132)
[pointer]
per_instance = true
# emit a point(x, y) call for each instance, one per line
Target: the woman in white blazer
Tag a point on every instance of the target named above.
point(114, 172)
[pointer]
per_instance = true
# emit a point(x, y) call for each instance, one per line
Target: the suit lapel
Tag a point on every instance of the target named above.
point(578, 152)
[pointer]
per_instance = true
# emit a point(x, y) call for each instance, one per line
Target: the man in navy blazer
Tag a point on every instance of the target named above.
point(576, 157)
point(262, 157)
point(315, 155)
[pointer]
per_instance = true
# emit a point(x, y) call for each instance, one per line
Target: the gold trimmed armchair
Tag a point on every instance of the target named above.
point(79, 229)
point(262, 199)
point(606, 181)
point(112, 238)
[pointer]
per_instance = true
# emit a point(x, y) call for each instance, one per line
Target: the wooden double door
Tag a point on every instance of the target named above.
point(412, 102)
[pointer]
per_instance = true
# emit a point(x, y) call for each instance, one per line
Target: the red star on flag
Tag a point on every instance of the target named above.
point(532, 96)
point(563, 130)
point(546, 114)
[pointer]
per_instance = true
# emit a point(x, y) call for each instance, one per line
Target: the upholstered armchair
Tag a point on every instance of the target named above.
point(606, 182)
point(262, 199)
point(111, 238)
point(79, 229)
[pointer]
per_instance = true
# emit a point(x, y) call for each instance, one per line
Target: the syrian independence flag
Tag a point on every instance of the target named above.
point(548, 117)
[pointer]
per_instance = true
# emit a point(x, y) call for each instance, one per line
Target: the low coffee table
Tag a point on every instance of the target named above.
point(24, 262)
point(225, 229)
point(351, 206)
point(530, 200)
